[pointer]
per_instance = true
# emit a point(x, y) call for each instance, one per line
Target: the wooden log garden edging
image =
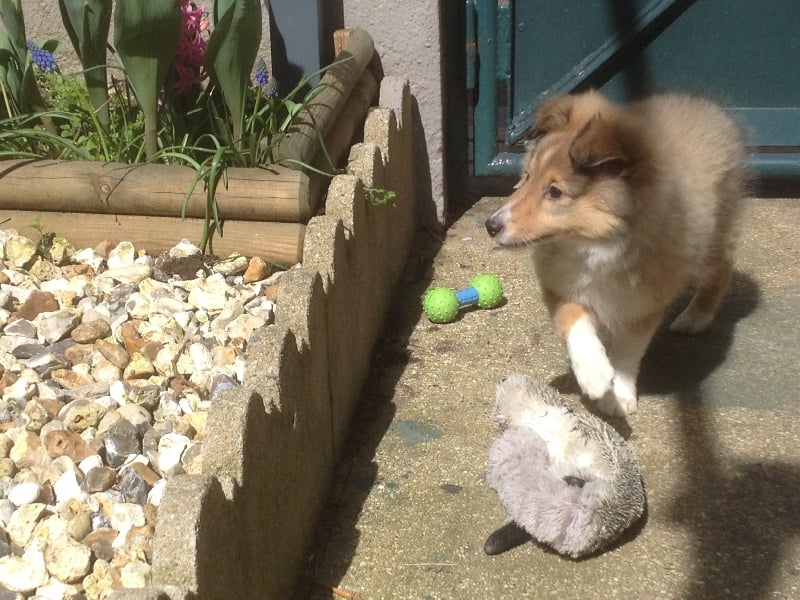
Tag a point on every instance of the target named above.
point(242, 529)
point(264, 210)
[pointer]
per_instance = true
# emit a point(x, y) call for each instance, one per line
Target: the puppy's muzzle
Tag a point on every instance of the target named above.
point(496, 223)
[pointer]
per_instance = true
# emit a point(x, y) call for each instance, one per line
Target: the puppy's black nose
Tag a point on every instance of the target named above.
point(494, 225)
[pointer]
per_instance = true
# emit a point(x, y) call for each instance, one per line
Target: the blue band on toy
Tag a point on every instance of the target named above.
point(467, 296)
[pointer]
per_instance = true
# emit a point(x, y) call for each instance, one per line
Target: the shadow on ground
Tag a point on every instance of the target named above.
point(676, 363)
point(357, 472)
point(742, 515)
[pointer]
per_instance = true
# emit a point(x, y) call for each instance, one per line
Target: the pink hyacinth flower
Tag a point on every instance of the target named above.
point(191, 49)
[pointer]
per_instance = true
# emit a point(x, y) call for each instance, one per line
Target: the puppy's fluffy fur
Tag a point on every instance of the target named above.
point(624, 207)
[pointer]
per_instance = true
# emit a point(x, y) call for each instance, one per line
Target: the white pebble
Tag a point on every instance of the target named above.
point(67, 487)
point(24, 493)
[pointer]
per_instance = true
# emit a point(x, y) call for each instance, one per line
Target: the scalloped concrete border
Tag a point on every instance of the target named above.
point(242, 528)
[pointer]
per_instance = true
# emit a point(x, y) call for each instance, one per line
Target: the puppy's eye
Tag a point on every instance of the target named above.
point(553, 192)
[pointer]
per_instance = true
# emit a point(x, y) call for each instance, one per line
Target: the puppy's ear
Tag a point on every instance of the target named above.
point(608, 146)
point(552, 114)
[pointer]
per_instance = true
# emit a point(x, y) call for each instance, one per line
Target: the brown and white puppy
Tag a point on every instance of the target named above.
point(624, 207)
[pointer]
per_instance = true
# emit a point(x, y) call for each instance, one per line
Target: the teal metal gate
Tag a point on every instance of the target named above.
point(742, 53)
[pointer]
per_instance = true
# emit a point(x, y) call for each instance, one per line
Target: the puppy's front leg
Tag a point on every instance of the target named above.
point(625, 352)
point(590, 364)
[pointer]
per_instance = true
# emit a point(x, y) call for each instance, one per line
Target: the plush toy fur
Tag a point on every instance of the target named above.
point(566, 478)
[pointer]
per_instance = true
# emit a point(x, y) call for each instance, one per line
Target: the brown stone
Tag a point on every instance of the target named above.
point(79, 353)
point(150, 514)
point(80, 417)
point(99, 479)
point(37, 303)
point(223, 355)
point(182, 426)
point(139, 542)
point(271, 291)
point(257, 270)
point(150, 350)
point(69, 379)
point(47, 494)
point(7, 467)
point(37, 415)
point(80, 525)
point(87, 333)
point(131, 338)
point(179, 384)
point(105, 247)
point(150, 477)
point(198, 422)
point(61, 442)
point(76, 270)
point(7, 379)
point(114, 353)
point(99, 542)
point(52, 406)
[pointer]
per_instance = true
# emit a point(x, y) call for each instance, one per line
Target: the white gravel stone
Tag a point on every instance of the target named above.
point(67, 487)
point(67, 560)
point(136, 574)
point(182, 330)
point(55, 590)
point(90, 462)
point(183, 249)
point(24, 493)
point(21, 524)
point(170, 449)
point(21, 328)
point(156, 493)
point(125, 516)
point(26, 573)
point(20, 251)
point(122, 255)
point(57, 325)
point(130, 274)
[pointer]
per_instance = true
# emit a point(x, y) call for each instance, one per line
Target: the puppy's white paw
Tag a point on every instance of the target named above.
point(594, 375)
point(620, 401)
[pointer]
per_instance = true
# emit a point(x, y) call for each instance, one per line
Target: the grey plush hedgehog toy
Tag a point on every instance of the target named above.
point(566, 478)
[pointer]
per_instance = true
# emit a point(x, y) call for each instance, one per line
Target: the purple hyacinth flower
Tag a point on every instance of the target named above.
point(262, 79)
point(42, 58)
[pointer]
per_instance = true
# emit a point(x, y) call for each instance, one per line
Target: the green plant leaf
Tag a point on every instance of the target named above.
point(231, 53)
point(146, 36)
point(14, 22)
point(87, 23)
point(52, 46)
point(12, 52)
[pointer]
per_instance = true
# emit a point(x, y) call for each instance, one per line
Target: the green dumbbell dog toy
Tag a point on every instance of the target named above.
point(442, 304)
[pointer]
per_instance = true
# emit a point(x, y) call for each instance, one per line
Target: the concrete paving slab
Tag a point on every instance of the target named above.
point(717, 435)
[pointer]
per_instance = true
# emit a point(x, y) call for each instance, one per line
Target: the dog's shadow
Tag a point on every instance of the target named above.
point(676, 363)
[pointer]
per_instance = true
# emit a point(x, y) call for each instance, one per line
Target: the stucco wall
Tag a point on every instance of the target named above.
point(407, 39)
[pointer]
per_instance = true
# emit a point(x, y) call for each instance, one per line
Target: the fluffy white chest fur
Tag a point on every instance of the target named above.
point(596, 275)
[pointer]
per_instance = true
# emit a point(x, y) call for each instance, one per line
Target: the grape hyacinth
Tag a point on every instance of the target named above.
point(191, 47)
point(261, 77)
point(42, 58)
